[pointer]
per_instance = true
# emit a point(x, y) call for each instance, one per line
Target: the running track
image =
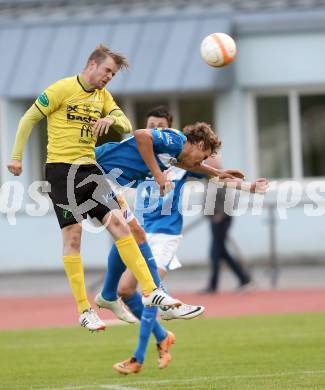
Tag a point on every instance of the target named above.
point(45, 312)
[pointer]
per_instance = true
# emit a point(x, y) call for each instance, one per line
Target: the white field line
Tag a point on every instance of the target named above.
point(125, 386)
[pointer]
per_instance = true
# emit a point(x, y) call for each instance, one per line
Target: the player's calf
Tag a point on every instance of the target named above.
point(117, 307)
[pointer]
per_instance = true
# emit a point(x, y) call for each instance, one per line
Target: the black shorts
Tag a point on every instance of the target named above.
point(77, 191)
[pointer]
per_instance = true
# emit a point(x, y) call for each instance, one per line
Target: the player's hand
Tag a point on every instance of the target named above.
point(15, 167)
point(231, 174)
point(102, 126)
point(164, 183)
point(260, 186)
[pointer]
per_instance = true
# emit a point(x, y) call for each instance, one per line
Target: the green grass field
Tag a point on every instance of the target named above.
point(269, 352)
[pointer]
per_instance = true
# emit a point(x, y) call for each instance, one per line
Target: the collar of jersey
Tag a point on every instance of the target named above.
point(86, 87)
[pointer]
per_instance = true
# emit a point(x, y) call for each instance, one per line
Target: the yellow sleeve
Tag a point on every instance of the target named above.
point(32, 116)
point(112, 110)
point(121, 123)
point(51, 99)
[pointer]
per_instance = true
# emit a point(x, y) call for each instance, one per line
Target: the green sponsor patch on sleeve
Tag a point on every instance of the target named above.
point(43, 99)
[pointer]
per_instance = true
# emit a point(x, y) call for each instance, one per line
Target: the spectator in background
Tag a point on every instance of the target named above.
point(220, 223)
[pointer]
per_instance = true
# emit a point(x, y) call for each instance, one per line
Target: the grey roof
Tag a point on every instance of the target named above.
point(160, 38)
point(56, 10)
point(164, 55)
point(234, 5)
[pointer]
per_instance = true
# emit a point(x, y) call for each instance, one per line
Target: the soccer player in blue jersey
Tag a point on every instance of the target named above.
point(162, 221)
point(136, 158)
point(191, 155)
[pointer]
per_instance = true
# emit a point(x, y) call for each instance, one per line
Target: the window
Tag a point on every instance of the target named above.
point(273, 137)
point(312, 116)
point(184, 110)
point(143, 107)
point(291, 135)
point(199, 109)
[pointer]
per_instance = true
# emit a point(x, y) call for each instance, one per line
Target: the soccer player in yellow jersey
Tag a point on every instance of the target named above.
point(78, 110)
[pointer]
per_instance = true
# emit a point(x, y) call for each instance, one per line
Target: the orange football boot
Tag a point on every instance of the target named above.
point(163, 350)
point(129, 366)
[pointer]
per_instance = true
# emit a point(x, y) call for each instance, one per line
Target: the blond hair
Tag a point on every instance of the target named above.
point(102, 52)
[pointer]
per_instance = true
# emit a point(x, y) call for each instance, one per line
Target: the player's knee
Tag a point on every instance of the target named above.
point(117, 225)
point(73, 243)
point(126, 292)
point(122, 229)
point(71, 239)
point(138, 233)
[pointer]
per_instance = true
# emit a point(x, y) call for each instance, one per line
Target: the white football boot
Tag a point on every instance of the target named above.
point(184, 312)
point(90, 320)
point(117, 307)
point(160, 298)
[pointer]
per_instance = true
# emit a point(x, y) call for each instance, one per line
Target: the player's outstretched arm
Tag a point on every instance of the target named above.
point(230, 178)
point(26, 124)
point(259, 186)
point(208, 170)
point(145, 147)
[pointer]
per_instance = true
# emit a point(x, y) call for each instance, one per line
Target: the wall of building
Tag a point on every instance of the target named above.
point(279, 60)
point(265, 62)
point(270, 63)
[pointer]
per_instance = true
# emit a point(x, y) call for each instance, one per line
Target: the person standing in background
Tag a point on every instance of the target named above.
point(220, 223)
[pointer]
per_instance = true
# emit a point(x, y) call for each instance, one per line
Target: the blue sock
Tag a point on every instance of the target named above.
point(158, 331)
point(148, 320)
point(135, 305)
point(115, 269)
point(147, 315)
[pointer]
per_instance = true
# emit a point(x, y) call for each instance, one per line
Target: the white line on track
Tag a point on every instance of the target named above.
point(125, 386)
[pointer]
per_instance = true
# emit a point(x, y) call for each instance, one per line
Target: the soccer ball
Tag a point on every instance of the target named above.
point(218, 49)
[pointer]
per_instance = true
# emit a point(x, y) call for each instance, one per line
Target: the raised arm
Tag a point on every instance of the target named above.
point(116, 119)
point(31, 117)
point(211, 167)
point(231, 178)
point(113, 117)
point(259, 186)
point(121, 123)
point(220, 173)
point(145, 146)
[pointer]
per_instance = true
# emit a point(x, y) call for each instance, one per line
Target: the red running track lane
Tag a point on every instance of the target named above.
point(56, 311)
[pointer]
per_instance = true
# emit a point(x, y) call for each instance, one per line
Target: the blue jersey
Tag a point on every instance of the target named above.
point(162, 214)
point(126, 161)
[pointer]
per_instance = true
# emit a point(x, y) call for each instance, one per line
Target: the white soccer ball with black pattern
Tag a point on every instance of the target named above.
point(218, 49)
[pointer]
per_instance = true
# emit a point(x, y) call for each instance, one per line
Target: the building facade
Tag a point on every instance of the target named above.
point(268, 107)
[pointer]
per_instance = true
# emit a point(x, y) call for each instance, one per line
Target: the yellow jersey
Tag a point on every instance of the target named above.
point(71, 110)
